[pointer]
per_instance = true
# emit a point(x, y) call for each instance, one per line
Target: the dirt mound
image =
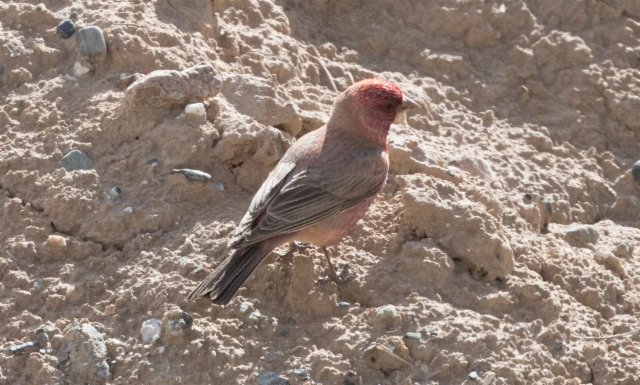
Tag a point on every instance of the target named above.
point(503, 249)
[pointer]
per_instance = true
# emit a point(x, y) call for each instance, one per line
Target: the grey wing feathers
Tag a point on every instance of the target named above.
point(263, 197)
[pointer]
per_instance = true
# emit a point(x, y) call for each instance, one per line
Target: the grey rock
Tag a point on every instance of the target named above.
point(177, 322)
point(473, 376)
point(300, 372)
point(635, 171)
point(270, 378)
point(90, 42)
point(192, 175)
point(28, 347)
point(82, 357)
point(583, 234)
point(344, 305)
point(164, 88)
point(76, 160)
point(66, 29)
point(413, 336)
point(42, 337)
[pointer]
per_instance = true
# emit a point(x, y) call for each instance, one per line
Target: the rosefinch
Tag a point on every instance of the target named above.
point(320, 188)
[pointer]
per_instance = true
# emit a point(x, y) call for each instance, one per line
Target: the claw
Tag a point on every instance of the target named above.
point(338, 277)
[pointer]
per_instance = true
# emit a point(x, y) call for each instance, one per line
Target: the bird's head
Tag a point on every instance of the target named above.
point(371, 106)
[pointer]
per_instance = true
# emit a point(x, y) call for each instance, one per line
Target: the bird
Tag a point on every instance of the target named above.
point(320, 188)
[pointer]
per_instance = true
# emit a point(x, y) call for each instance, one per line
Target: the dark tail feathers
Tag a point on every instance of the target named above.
point(224, 282)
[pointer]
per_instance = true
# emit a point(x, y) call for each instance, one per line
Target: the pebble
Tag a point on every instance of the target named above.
point(300, 372)
point(73, 15)
point(219, 186)
point(150, 330)
point(128, 209)
point(192, 175)
point(79, 69)
point(583, 234)
point(41, 336)
point(115, 191)
point(152, 161)
point(1, 70)
point(387, 311)
point(76, 160)
point(413, 336)
point(84, 350)
point(28, 347)
point(56, 240)
point(110, 309)
point(270, 378)
point(90, 42)
point(473, 376)
point(177, 321)
point(344, 305)
point(66, 29)
point(195, 109)
point(245, 306)
point(635, 170)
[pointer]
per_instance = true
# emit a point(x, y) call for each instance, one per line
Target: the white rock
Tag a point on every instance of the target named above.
point(150, 330)
point(56, 240)
point(195, 109)
point(79, 69)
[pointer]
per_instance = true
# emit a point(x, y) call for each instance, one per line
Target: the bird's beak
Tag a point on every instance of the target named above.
point(407, 104)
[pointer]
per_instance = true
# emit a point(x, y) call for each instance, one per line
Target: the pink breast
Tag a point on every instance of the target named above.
point(333, 229)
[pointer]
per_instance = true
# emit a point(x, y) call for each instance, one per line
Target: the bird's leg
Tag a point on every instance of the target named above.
point(341, 277)
point(293, 247)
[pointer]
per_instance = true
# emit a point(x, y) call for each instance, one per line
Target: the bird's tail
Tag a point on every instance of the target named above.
point(224, 282)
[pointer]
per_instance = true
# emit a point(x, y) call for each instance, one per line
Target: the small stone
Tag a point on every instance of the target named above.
point(219, 186)
point(300, 372)
point(28, 347)
point(344, 305)
point(56, 240)
point(413, 336)
point(115, 191)
point(270, 378)
point(76, 160)
point(245, 306)
point(192, 175)
point(79, 69)
point(473, 376)
point(150, 330)
point(152, 161)
point(195, 109)
point(66, 29)
point(177, 321)
point(42, 337)
point(387, 311)
point(1, 70)
point(73, 15)
point(583, 234)
point(84, 353)
point(90, 41)
point(635, 171)
point(128, 209)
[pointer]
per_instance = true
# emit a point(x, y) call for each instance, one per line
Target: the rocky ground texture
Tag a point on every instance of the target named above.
point(503, 250)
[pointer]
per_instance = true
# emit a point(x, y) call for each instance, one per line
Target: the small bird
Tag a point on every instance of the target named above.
point(321, 187)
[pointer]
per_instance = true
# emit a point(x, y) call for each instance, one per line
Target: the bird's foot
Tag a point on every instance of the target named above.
point(338, 277)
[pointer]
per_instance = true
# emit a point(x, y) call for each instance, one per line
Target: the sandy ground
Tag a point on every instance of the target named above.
point(494, 286)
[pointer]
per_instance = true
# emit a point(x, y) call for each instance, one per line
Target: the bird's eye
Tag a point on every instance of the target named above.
point(389, 106)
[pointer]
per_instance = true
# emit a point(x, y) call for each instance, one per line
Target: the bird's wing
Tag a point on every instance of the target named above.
point(313, 195)
point(263, 197)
